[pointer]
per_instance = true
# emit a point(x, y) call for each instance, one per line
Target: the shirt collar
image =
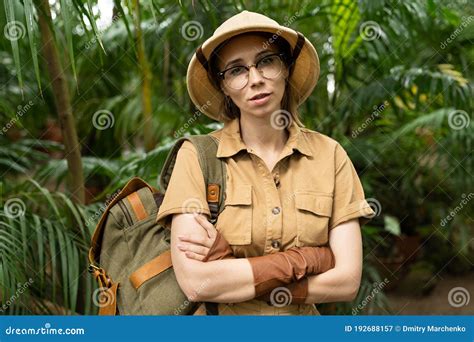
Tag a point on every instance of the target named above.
point(230, 142)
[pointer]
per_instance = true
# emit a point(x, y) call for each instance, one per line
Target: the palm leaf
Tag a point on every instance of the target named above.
point(29, 10)
point(11, 23)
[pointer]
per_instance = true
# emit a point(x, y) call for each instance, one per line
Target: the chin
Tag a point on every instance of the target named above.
point(262, 112)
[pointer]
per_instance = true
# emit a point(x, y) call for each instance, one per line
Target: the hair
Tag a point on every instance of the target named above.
point(288, 103)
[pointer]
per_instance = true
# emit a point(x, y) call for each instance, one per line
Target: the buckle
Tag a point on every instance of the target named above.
point(92, 268)
point(99, 273)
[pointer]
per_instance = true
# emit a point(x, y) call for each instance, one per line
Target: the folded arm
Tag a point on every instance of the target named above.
point(268, 271)
point(220, 281)
point(233, 280)
point(343, 281)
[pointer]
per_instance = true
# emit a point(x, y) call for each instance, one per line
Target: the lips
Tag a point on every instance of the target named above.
point(259, 96)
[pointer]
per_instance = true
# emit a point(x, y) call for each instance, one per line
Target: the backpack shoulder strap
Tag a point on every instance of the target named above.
point(213, 170)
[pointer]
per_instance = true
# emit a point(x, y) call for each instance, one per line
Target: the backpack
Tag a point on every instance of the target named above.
point(130, 253)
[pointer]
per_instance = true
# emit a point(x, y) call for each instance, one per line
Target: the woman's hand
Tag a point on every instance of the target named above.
point(196, 246)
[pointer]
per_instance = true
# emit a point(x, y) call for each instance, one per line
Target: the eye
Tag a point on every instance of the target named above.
point(236, 71)
point(267, 60)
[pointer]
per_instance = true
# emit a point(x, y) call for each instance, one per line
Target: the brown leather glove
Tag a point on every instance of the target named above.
point(294, 293)
point(273, 271)
point(283, 268)
point(220, 249)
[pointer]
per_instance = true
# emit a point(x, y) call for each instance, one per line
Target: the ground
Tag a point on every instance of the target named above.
point(436, 303)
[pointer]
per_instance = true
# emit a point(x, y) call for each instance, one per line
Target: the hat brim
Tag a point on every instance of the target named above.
point(209, 100)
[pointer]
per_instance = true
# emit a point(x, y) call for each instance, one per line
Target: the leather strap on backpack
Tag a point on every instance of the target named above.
point(151, 269)
point(108, 289)
point(133, 185)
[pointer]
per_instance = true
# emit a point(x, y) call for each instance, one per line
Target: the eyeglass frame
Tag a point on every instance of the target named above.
point(281, 55)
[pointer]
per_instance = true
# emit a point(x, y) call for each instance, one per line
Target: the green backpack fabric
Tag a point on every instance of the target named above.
point(130, 254)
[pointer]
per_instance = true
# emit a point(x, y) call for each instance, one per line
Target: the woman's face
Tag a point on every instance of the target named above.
point(246, 50)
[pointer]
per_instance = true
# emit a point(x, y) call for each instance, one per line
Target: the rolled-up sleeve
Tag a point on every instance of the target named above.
point(186, 192)
point(349, 199)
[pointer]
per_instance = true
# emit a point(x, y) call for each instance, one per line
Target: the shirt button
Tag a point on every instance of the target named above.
point(276, 211)
point(276, 244)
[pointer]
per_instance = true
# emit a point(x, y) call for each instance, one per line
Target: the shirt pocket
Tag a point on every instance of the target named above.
point(313, 211)
point(235, 221)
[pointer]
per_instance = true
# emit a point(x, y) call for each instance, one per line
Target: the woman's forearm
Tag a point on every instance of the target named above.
point(220, 281)
point(225, 281)
point(341, 283)
point(335, 285)
point(232, 280)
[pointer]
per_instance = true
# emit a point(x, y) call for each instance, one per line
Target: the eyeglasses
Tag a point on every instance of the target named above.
point(237, 77)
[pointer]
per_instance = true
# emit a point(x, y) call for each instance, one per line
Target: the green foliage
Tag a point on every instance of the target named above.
point(392, 90)
point(44, 241)
point(21, 156)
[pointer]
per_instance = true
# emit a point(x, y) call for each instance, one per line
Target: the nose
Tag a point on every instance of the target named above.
point(255, 77)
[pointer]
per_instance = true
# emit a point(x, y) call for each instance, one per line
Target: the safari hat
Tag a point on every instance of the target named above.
point(204, 94)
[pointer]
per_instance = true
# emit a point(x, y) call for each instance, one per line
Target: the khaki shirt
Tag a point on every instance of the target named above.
point(312, 189)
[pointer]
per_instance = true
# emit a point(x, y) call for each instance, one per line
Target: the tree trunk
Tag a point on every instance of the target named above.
point(63, 103)
point(146, 84)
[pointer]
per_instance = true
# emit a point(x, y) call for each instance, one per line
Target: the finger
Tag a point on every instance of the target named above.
point(192, 255)
point(208, 226)
point(198, 219)
point(197, 240)
point(201, 250)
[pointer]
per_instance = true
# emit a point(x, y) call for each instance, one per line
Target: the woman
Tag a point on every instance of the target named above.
point(290, 191)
